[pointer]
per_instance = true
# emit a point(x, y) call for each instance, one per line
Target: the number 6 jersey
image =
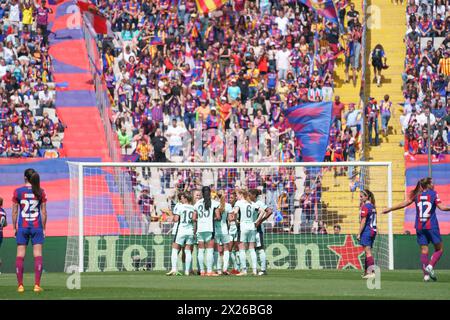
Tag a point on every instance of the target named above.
point(29, 207)
point(426, 217)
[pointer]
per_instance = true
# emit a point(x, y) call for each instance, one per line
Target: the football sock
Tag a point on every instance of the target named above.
point(188, 260)
point(435, 257)
point(201, 259)
point(254, 260)
point(19, 270)
point(262, 258)
point(37, 270)
point(216, 260)
point(424, 261)
point(370, 262)
point(219, 262)
point(209, 259)
point(174, 259)
point(226, 259)
point(243, 261)
point(238, 261)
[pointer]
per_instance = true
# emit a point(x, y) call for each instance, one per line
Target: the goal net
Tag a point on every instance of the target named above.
point(120, 212)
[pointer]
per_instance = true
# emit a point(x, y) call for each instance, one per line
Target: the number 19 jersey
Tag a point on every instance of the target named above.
point(185, 212)
point(29, 207)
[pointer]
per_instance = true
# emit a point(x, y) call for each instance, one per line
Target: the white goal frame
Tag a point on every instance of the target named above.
point(193, 165)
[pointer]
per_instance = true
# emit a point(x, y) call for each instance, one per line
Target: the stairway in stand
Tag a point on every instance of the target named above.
point(390, 36)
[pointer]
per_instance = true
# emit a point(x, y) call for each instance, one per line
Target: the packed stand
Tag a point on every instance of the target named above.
point(29, 126)
point(236, 69)
point(426, 79)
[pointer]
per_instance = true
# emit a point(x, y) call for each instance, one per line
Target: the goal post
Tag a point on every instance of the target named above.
point(118, 216)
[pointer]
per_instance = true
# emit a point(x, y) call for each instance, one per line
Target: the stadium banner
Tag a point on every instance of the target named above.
point(311, 123)
point(324, 8)
point(205, 6)
point(283, 252)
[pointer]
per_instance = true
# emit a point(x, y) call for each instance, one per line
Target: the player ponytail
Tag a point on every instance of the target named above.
point(33, 178)
point(370, 196)
point(421, 185)
point(206, 192)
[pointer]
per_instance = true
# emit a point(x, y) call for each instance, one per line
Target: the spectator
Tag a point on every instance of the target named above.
point(147, 207)
point(175, 135)
point(372, 113)
point(386, 110)
point(160, 145)
point(308, 203)
point(145, 152)
point(337, 229)
point(124, 138)
point(378, 62)
point(352, 119)
point(42, 13)
point(46, 98)
point(338, 108)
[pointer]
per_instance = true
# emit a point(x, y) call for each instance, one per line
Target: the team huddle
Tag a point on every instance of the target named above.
point(222, 231)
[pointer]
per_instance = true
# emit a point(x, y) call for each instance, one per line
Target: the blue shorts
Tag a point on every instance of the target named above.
point(24, 235)
point(367, 239)
point(424, 236)
point(1, 238)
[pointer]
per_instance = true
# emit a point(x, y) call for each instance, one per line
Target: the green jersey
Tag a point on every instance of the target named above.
point(221, 226)
point(246, 214)
point(205, 218)
point(185, 213)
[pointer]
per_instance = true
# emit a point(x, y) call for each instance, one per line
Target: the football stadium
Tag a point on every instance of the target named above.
point(224, 149)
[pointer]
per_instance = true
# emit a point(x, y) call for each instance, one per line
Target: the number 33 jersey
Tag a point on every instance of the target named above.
point(29, 207)
point(426, 203)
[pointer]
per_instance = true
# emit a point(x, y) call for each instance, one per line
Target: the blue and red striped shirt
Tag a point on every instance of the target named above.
point(29, 207)
point(426, 217)
point(369, 212)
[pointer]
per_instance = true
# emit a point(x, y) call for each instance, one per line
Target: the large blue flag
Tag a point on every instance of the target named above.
point(324, 8)
point(311, 123)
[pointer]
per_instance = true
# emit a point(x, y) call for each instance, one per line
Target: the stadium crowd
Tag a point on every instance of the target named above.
point(29, 126)
point(426, 79)
point(236, 68)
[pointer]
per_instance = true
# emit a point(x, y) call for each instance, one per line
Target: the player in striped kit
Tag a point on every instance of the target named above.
point(222, 237)
point(243, 213)
point(426, 224)
point(263, 212)
point(185, 217)
point(207, 210)
point(29, 216)
point(3, 221)
point(367, 229)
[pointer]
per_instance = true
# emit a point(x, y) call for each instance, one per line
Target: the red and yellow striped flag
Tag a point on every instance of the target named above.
point(205, 6)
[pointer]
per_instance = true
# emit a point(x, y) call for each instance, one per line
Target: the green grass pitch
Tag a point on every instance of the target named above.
point(286, 284)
